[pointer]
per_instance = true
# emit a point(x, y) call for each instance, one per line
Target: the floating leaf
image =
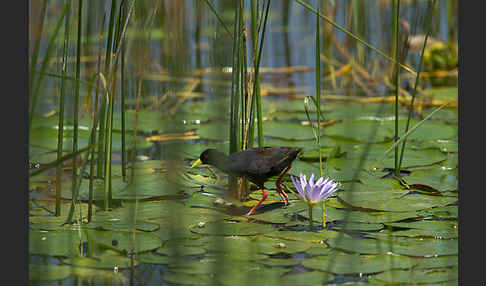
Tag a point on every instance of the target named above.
point(289, 131)
point(306, 278)
point(233, 228)
point(397, 245)
point(342, 263)
point(439, 179)
point(380, 131)
point(123, 240)
point(103, 261)
point(153, 258)
point(186, 250)
point(419, 276)
point(393, 200)
point(55, 243)
point(48, 272)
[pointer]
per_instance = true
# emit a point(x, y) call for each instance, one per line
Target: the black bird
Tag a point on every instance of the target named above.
point(256, 164)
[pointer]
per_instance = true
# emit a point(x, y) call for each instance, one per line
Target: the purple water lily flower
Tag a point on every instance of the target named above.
point(312, 192)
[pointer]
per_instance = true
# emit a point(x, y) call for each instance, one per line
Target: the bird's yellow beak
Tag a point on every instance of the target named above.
point(197, 163)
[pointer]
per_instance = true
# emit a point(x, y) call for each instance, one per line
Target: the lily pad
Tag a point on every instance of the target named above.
point(289, 131)
point(48, 272)
point(342, 263)
point(418, 233)
point(153, 258)
point(103, 261)
point(380, 131)
point(394, 200)
point(187, 279)
point(306, 278)
point(233, 228)
point(307, 236)
point(186, 250)
point(441, 180)
point(397, 245)
point(427, 225)
point(375, 218)
point(123, 240)
point(418, 276)
point(55, 243)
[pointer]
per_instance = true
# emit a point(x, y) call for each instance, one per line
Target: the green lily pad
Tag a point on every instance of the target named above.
point(306, 236)
point(187, 279)
point(418, 233)
point(213, 131)
point(289, 131)
point(427, 225)
point(437, 262)
point(274, 216)
point(124, 240)
point(394, 200)
point(380, 131)
point(441, 180)
point(363, 216)
point(281, 262)
point(375, 158)
point(103, 261)
point(233, 228)
point(48, 272)
point(304, 144)
point(342, 263)
point(153, 259)
point(447, 212)
point(186, 250)
point(359, 226)
point(55, 243)
point(419, 276)
point(442, 145)
point(397, 245)
point(306, 278)
point(270, 246)
point(46, 137)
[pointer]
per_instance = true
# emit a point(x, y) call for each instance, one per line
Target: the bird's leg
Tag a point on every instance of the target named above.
point(214, 174)
point(258, 204)
point(279, 182)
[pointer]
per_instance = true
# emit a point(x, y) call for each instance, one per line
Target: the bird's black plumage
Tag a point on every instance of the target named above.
point(257, 164)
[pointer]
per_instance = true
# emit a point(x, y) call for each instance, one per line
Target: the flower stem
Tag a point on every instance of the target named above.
point(324, 214)
point(310, 217)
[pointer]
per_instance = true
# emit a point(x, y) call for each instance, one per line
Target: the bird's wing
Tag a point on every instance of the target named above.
point(261, 165)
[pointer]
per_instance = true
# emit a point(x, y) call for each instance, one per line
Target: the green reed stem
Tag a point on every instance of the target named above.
point(257, 75)
point(108, 145)
point(414, 92)
point(53, 164)
point(353, 36)
point(60, 130)
point(101, 131)
point(95, 125)
point(123, 107)
point(318, 102)
point(410, 131)
point(318, 91)
point(220, 19)
point(35, 51)
point(45, 63)
point(396, 33)
point(92, 155)
point(234, 145)
point(76, 98)
point(245, 96)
